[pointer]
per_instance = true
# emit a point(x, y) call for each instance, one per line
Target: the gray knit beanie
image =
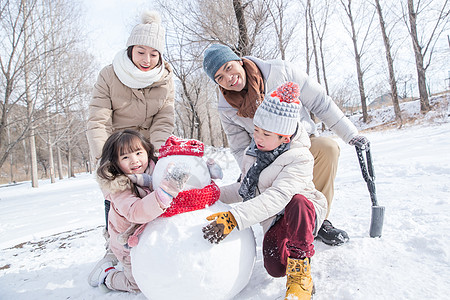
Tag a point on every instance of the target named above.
point(215, 56)
point(149, 33)
point(280, 111)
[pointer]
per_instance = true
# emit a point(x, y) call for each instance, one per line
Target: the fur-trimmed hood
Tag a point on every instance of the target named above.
point(118, 184)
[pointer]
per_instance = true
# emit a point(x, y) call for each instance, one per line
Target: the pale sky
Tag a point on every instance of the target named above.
point(109, 23)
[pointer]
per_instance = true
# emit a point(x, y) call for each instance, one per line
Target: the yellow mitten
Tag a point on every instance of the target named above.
point(223, 224)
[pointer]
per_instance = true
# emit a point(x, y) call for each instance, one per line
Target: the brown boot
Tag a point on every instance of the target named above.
point(299, 283)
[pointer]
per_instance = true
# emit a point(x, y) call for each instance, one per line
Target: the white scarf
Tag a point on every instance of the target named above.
point(131, 76)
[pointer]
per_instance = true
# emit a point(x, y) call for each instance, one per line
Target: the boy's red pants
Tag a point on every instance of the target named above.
point(291, 236)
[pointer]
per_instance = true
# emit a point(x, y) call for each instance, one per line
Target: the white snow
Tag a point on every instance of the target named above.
point(50, 237)
point(172, 248)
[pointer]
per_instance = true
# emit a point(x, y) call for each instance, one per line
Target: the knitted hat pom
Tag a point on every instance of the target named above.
point(150, 16)
point(287, 92)
point(280, 112)
point(149, 32)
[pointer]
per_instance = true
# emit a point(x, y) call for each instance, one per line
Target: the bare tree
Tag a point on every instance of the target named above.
point(12, 67)
point(320, 21)
point(425, 46)
point(205, 22)
point(33, 44)
point(313, 40)
point(62, 33)
point(229, 22)
point(358, 51)
point(243, 47)
point(390, 62)
point(283, 29)
point(308, 62)
point(30, 100)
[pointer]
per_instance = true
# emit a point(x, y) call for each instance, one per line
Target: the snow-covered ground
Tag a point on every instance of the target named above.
point(50, 237)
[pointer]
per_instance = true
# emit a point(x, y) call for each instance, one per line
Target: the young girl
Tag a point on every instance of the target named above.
point(124, 175)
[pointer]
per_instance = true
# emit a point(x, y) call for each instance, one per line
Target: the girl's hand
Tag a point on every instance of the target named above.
point(174, 179)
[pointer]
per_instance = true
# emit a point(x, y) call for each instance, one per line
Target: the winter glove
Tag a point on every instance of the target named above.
point(223, 224)
point(359, 141)
point(129, 238)
point(215, 171)
point(173, 182)
point(123, 237)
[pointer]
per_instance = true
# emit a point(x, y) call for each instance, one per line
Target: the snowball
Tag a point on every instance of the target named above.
point(174, 261)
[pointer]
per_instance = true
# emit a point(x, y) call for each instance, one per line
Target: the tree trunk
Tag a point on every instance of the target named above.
point(70, 171)
point(308, 4)
point(424, 102)
point(243, 44)
point(11, 172)
point(359, 71)
point(51, 162)
point(210, 124)
point(322, 57)
point(224, 139)
point(390, 62)
point(313, 39)
point(59, 163)
point(30, 105)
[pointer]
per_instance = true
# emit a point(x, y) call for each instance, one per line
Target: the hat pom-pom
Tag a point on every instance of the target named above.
point(150, 16)
point(287, 92)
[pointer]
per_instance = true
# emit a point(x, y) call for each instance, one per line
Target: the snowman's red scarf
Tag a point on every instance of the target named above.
point(193, 199)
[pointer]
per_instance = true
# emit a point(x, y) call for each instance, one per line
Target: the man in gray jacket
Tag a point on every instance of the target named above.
point(243, 83)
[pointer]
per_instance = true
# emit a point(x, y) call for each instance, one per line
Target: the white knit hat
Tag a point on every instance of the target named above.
point(280, 111)
point(150, 33)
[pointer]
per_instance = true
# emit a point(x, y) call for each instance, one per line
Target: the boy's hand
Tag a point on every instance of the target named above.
point(223, 224)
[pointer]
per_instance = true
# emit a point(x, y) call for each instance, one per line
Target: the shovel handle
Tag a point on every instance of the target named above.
point(365, 162)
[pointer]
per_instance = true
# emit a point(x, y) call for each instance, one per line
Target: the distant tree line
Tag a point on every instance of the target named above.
point(47, 75)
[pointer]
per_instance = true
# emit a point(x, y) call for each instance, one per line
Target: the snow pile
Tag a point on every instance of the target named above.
point(174, 261)
point(410, 111)
point(172, 251)
point(50, 237)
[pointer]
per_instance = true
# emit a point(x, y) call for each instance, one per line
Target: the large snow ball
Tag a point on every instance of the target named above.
point(196, 166)
point(174, 261)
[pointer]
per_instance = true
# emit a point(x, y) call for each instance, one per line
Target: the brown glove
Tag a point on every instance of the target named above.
point(223, 224)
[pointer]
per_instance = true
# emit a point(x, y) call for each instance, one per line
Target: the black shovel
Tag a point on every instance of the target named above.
point(376, 223)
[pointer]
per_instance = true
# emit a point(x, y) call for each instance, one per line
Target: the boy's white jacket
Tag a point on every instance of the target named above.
point(239, 130)
point(291, 173)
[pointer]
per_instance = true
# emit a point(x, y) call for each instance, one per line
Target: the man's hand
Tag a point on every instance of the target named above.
point(359, 141)
point(223, 224)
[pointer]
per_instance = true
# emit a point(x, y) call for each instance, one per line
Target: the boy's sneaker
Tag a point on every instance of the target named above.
point(101, 270)
point(331, 235)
